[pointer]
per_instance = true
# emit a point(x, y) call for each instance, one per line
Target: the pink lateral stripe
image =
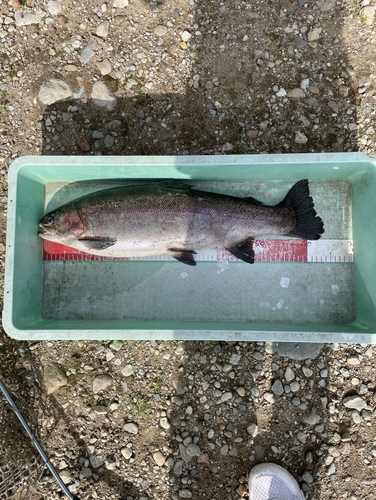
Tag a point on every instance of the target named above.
point(268, 250)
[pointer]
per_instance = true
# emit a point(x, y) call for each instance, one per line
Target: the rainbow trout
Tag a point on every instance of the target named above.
point(163, 218)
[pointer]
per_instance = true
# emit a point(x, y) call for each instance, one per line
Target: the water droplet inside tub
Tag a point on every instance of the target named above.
point(335, 289)
point(335, 168)
point(280, 303)
point(222, 266)
point(321, 302)
point(184, 276)
point(284, 282)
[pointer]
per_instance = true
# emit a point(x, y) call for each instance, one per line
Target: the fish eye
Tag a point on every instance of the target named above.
point(50, 219)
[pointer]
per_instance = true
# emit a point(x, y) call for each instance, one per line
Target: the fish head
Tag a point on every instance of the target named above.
point(62, 224)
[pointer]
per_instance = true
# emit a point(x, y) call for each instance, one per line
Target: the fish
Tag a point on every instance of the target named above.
point(177, 219)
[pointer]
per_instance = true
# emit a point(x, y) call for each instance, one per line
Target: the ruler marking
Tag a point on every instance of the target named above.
point(267, 250)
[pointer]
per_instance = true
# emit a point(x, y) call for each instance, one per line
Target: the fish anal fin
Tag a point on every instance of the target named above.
point(97, 242)
point(243, 250)
point(184, 256)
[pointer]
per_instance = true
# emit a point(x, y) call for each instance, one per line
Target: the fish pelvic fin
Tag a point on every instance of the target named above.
point(184, 256)
point(309, 225)
point(243, 250)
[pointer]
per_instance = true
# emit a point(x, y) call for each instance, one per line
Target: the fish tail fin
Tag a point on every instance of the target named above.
point(309, 225)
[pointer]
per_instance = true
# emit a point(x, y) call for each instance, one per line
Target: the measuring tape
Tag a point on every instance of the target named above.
point(266, 250)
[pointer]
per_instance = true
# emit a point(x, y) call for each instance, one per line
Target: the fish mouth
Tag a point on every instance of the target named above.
point(43, 230)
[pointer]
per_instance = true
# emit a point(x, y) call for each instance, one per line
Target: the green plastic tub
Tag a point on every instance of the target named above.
point(328, 297)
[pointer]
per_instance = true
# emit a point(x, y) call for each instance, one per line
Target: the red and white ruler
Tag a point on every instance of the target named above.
point(266, 250)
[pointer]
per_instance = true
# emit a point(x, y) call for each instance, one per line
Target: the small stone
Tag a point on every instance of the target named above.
point(109, 141)
point(353, 360)
point(54, 7)
point(40, 125)
point(53, 378)
point(54, 90)
point(242, 490)
point(183, 45)
point(300, 138)
point(102, 382)
point(178, 385)
point(185, 493)
point(252, 430)
point(325, 5)
point(314, 34)
point(203, 459)
point(289, 374)
point(131, 428)
point(120, 4)
point(277, 388)
point(25, 17)
point(183, 452)
point(116, 345)
point(294, 386)
point(354, 402)
point(95, 462)
point(307, 371)
point(333, 106)
point(102, 96)
point(331, 469)
point(87, 53)
point(357, 419)
point(65, 476)
point(241, 391)
point(159, 458)
point(304, 84)
point(343, 91)
point(105, 67)
point(70, 68)
point(297, 93)
point(193, 450)
point(178, 467)
point(369, 14)
point(302, 437)
point(83, 144)
point(281, 92)
point(224, 450)
point(307, 477)
point(127, 371)
point(100, 409)
point(126, 452)
point(103, 29)
point(185, 36)
point(235, 359)
point(110, 463)
point(268, 396)
point(164, 423)
point(226, 396)
point(160, 30)
point(86, 471)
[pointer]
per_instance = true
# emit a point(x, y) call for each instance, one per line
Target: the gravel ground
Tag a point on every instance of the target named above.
point(170, 420)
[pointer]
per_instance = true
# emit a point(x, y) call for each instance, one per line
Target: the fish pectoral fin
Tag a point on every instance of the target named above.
point(184, 256)
point(243, 251)
point(97, 242)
